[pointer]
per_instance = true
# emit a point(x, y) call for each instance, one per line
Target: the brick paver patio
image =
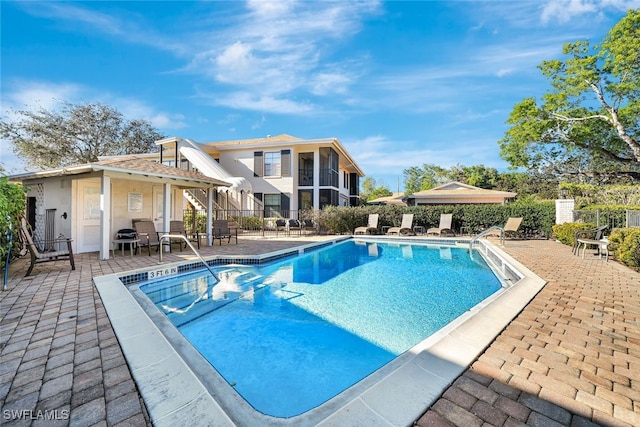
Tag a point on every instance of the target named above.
point(571, 358)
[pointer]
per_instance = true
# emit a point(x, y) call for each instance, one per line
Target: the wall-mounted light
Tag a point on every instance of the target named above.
point(64, 215)
point(563, 193)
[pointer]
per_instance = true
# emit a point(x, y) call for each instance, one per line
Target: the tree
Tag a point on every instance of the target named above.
point(429, 176)
point(76, 133)
point(370, 190)
point(588, 123)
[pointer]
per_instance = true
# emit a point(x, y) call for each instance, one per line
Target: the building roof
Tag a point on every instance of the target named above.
point(268, 139)
point(394, 199)
point(126, 165)
point(282, 140)
point(455, 190)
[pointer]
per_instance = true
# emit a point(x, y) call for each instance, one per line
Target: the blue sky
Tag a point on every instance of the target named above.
point(401, 84)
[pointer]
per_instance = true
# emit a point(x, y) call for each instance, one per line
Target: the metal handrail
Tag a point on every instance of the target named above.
point(181, 237)
point(484, 233)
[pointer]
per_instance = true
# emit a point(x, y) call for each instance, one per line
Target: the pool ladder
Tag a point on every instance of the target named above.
point(168, 237)
point(484, 233)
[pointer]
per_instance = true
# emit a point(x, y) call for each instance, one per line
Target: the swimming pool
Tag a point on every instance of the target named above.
point(293, 333)
point(179, 386)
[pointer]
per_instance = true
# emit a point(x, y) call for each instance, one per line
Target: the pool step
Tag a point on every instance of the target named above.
point(233, 286)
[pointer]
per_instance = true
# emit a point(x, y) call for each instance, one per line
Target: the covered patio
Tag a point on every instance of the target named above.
point(90, 202)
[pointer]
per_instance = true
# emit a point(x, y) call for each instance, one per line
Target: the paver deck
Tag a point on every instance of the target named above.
point(571, 358)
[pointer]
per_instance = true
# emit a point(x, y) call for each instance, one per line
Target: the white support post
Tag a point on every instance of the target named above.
point(105, 217)
point(209, 226)
point(166, 209)
point(316, 178)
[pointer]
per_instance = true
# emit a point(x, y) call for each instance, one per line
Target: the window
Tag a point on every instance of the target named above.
point(305, 169)
point(329, 175)
point(271, 205)
point(305, 199)
point(328, 198)
point(272, 164)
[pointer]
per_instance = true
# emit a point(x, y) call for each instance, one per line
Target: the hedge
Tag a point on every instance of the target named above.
point(538, 218)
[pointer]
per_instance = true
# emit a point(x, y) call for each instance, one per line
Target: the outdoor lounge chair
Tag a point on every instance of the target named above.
point(177, 227)
point(53, 255)
point(444, 227)
point(406, 227)
point(148, 236)
point(371, 227)
point(510, 228)
point(222, 230)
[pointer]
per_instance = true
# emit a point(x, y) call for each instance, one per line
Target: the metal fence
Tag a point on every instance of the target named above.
point(252, 222)
point(615, 218)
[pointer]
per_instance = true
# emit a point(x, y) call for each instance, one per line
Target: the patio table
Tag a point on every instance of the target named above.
point(602, 244)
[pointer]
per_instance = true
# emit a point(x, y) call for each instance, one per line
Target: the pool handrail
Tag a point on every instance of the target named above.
point(182, 237)
point(485, 232)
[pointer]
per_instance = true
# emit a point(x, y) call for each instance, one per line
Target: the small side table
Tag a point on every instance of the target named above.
point(133, 245)
point(419, 229)
point(603, 245)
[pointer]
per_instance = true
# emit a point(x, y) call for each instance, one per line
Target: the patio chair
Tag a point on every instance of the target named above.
point(48, 256)
point(294, 224)
point(406, 227)
point(371, 227)
point(177, 227)
point(590, 234)
point(281, 225)
point(309, 225)
point(222, 230)
point(510, 228)
point(148, 236)
point(444, 227)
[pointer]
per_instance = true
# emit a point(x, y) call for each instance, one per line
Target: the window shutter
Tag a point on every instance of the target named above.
point(258, 163)
point(285, 163)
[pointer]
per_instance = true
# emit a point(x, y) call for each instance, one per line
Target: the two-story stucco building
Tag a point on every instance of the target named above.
point(266, 177)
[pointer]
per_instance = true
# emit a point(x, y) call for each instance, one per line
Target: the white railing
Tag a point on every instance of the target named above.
point(168, 237)
point(484, 233)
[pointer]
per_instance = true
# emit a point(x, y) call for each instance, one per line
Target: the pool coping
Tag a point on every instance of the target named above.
point(162, 362)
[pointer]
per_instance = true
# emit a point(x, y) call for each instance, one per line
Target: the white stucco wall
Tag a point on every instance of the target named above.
point(56, 195)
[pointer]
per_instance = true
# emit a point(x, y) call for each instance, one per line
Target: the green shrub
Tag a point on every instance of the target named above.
point(12, 207)
point(565, 233)
point(251, 223)
point(625, 246)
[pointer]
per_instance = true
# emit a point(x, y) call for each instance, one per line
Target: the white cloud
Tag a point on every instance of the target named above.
point(131, 28)
point(563, 11)
point(278, 50)
point(504, 72)
point(256, 102)
point(135, 109)
point(29, 95)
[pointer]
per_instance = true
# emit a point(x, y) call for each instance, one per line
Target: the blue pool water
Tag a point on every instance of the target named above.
point(291, 334)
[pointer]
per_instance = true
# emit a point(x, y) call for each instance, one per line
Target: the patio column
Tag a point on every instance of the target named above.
point(316, 179)
point(105, 217)
point(209, 223)
point(166, 209)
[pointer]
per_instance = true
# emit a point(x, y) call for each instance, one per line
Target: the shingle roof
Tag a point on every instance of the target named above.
point(131, 165)
point(277, 138)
